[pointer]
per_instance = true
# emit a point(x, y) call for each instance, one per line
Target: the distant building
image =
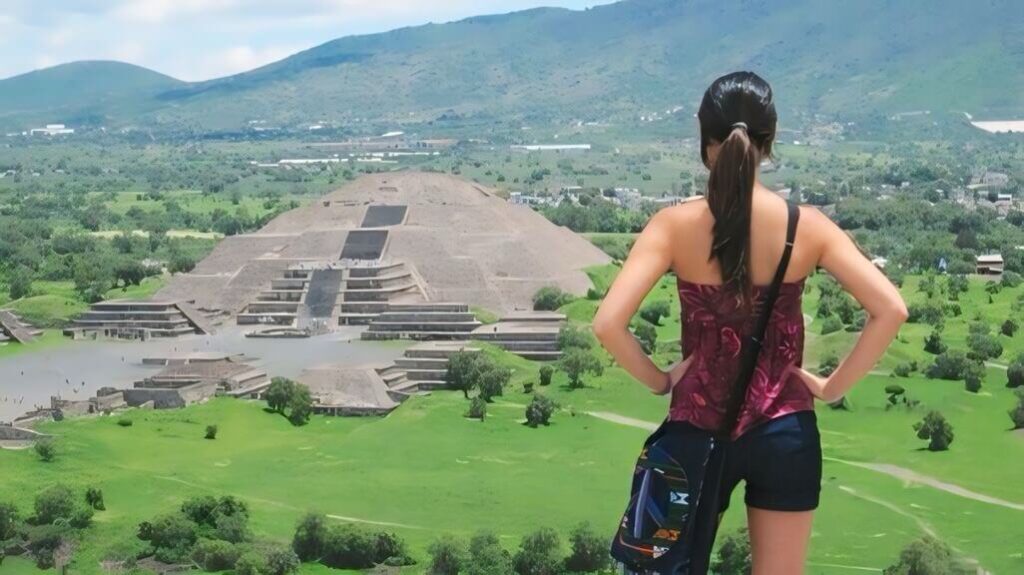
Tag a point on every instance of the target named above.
point(990, 264)
point(880, 262)
point(552, 147)
point(52, 130)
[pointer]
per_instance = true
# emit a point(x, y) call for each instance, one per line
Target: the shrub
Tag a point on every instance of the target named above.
point(974, 374)
point(477, 409)
point(447, 556)
point(949, 365)
point(550, 298)
point(211, 432)
point(9, 520)
point(894, 392)
point(1015, 373)
point(933, 343)
point(1017, 413)
point(487, 557)
point(734, 555)
point(124, 422)
point(349, 547)
point(539, 553)
point(829, 363)
point(213, 555)
point(928, 556)
point(570, 336)
point(545, 375)
point(81, 517)
point(390, 549)
point(233, 528)
point(94, 498)
point(589, 550)
point(53, 503)
point(491, 380)
point(539, 411)
point(647, 335)
point(172, 537)
point(282, 561)
point(300, 406)
point(936, 430)
point(250, 563)
point(45, 449)
point(984, 346)
point(310, 533)
point(1009, 328)
point(654, 311)
point(831, 324)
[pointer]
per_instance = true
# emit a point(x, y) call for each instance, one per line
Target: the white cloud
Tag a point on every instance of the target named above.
point(237, 59)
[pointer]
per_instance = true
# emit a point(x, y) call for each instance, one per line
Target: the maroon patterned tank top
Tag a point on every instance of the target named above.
point(713, 325)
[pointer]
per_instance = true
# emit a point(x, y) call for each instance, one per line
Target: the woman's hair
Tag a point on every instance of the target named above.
point(737, 112)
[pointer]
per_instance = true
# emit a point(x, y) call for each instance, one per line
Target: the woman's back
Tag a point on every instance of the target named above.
point(714, 321)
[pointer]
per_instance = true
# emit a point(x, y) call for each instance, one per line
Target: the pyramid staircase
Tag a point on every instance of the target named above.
point(422, 368)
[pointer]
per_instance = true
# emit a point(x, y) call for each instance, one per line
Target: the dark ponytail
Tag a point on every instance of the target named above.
point(737, 112)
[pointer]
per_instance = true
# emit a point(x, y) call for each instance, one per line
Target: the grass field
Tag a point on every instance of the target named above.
point(425, 469)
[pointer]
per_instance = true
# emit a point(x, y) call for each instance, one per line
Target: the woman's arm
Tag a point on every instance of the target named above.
point(648, 261)
point(882, 301)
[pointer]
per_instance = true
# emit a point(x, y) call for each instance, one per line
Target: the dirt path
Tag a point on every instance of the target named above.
point(915, 477)
point(623, 420)
point(292, 507)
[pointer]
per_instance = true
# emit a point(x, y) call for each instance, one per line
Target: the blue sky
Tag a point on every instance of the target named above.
point(201, 39)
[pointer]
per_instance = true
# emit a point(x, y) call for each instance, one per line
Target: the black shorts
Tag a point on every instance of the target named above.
point(780, 462)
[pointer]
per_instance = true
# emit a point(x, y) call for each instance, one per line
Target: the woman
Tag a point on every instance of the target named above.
point(723, 250)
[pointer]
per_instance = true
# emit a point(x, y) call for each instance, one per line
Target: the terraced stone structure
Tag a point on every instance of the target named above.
point(139, 319)
point(409, 254)
point(13, 328)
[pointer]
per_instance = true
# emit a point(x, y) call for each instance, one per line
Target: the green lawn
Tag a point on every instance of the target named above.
point(428, 470)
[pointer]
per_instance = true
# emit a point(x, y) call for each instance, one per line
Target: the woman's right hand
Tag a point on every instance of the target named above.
point(817, 385)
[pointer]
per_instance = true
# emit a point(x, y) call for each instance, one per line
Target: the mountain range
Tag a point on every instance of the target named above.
point(838, 60)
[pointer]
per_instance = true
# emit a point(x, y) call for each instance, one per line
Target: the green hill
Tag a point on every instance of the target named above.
point(854, 60)
point(80, 92)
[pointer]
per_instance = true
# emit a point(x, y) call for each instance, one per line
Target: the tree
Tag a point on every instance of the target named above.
point(250, 563)
point(1015, 373)
point(214, 555)
point(949, 365)
point(1009, 328)
point(20, 283)
point(45, 449)
point(895, 392)
point(831, 324)
point(180, 263)
point(487, 557)
point(734, 555)
point(539, 411)
point(539, 553)
point(447, 556)
point(550, 298)
point(172, 536)
point(578, 362)
point(94, 499)
point(279, 393)
point(933, 343)
point(589, 550)
point(984, 346)
point(928, 556)
point(936, 430)
point(1017, 413)
point(9, 520)
point(647, 335)
point(654, 311)
point(463, 371)
point(300, 405)
point(282, 561)
point(571, 336)
point(211, 432)
point(491, 380)
point(829, 364)
point(974, 375)
point(308, 541)
point(546, 372)
point(477, 409)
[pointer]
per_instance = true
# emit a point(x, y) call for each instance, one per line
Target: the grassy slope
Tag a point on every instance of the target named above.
point(429, 469)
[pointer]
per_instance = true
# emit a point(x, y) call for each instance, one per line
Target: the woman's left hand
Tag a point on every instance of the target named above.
point(674, 374)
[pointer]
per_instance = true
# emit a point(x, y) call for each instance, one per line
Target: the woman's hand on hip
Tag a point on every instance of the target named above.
point(674, 374)
point(816, 384)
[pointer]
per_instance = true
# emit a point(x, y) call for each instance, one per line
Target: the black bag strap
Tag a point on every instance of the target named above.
point(751, 347)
